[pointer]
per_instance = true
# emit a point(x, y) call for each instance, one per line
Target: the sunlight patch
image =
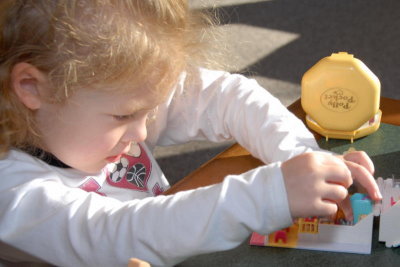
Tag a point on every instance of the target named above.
point(249, 44)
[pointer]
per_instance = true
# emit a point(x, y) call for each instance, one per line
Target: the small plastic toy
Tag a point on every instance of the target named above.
point(361, 206)
point(340, 235)
point(389, 211)
point(341, 96)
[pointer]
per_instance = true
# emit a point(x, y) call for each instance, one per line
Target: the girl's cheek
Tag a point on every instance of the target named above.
point(109, 142)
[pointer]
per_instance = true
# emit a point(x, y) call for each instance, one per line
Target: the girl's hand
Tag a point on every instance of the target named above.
point(360, 166)
point(317, 182)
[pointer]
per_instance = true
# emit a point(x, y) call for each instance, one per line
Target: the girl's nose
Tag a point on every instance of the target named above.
point(136, 131)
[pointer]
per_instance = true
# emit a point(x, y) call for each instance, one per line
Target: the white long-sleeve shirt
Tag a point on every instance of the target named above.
point(69, 218)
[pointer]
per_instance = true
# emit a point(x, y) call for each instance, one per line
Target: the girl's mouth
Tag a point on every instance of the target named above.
point(114, 158)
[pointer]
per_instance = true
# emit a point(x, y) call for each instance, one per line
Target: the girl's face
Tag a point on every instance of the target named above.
point(94, 128)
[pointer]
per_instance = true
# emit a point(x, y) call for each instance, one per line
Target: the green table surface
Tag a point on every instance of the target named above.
point(383, 147)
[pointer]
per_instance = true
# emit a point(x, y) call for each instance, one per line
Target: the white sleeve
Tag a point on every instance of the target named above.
point(218, 106)
point(70, 227)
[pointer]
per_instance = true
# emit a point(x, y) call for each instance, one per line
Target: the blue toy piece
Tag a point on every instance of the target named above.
point(361, 205)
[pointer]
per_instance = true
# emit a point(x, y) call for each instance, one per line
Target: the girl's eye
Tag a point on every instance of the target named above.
point(134, 116)
point(122, 117)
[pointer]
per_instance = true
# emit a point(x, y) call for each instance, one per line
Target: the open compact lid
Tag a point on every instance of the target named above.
point(341, 96)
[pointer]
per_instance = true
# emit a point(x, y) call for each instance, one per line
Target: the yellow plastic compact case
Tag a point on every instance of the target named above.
point(341, 96)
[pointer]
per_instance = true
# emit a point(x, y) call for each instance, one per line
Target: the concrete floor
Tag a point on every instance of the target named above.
point(276, 41)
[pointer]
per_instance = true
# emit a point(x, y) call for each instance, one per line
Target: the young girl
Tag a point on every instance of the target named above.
point(88, 88)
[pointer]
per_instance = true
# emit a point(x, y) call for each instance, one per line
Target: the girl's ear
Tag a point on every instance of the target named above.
point(28, 84)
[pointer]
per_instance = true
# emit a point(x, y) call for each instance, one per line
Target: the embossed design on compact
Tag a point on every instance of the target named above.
point(339, 99)
point(341, 96)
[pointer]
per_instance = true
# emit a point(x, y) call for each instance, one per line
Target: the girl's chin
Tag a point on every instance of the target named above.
point(93, 169)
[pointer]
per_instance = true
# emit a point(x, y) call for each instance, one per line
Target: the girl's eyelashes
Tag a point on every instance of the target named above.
point(134, 116)
point(123, 117)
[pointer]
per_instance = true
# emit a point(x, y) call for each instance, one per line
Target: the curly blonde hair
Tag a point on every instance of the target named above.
point(81, 43)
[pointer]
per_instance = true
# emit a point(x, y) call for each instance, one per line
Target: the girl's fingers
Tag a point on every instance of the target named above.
point(339, 175)
point(345, 206)
point(361, 158)
point(335, 193)
point(327, 208)
point(365, 178)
